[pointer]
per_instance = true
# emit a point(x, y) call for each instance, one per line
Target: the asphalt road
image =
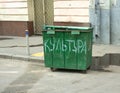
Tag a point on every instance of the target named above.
point(29, 77)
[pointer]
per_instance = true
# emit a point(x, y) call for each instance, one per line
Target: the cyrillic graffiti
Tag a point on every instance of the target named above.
point(77, 46)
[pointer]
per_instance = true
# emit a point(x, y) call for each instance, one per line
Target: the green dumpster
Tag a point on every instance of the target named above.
point(67, 47)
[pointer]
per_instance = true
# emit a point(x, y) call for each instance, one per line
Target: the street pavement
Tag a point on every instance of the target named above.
point(28, 77)
point(23, 73)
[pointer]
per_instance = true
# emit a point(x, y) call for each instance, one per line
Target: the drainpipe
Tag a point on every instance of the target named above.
point(97, 19)
point(102, 34)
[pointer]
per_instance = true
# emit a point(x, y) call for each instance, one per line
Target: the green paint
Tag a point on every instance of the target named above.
point(66, 50)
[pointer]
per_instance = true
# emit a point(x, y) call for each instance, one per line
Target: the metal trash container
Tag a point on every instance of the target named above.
point(67, 47)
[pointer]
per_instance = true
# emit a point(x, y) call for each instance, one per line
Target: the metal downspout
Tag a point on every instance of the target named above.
point(97, 20)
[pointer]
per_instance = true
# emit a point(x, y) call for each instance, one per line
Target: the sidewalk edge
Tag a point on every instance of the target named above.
point(22, 58)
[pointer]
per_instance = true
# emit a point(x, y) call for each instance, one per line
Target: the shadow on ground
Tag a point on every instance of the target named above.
point(98, 64)
point(22, 84)
point(5, 38)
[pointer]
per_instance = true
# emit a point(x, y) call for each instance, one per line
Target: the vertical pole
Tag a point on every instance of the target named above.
point(105, 21)
point(27, 42)
point(97, 20)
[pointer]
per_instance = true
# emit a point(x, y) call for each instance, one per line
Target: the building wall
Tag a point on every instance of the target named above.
point(71, 11)
point(39, 15)
point(16, 16)
point(115, 22)
point(13, 10)
point(38, 11)
point(43, 14)
point(104, 16)
point(31, 12)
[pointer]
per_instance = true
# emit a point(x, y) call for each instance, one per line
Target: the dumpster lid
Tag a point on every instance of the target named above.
point(52, 27)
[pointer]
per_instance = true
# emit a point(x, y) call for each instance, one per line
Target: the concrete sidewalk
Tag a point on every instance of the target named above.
point(15, 48)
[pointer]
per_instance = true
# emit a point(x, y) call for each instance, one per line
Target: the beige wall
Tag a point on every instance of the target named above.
point(41, 11)
point(16, 10)
point(30, 4)
point(71, 10)
point(38, 11)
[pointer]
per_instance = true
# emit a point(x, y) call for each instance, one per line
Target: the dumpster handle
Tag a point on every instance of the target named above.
point(51, 32)
point(75, 32)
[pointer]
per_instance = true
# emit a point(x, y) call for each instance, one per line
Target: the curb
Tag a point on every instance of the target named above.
point(22, 58)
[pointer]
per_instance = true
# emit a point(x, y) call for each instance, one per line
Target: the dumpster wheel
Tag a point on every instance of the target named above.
point(84, 71)
point(53, 69)
point(89, 68)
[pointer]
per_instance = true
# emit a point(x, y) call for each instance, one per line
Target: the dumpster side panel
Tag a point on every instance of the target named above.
point(82, 50)
point(58, 53)
point(48, 55)
point(70, 51)
point(89, 49)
